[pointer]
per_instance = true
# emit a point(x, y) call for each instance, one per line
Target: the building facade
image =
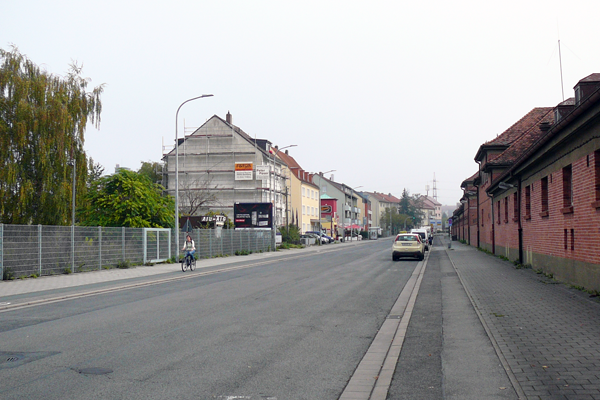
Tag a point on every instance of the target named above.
point(536, 196)
point(219, 165)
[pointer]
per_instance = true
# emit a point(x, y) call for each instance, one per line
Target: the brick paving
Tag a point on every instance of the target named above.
point(548, 333)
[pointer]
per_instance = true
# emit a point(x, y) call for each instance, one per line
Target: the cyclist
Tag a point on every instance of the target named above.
point(189, 247)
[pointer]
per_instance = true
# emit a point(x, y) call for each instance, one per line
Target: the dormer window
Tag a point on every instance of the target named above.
point(577, 95)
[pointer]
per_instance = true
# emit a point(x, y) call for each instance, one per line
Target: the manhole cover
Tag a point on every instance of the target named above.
point(95, 371)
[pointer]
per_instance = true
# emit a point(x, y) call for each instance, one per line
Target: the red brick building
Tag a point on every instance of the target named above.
point(535, 198)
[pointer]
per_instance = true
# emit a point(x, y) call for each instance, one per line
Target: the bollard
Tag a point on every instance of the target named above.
point(450, 245)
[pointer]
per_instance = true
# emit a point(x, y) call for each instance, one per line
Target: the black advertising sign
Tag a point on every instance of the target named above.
point(253, 215)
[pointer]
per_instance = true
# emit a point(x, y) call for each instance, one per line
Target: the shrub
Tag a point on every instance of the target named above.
point(290, 234)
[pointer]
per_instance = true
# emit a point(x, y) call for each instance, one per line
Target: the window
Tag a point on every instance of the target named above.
point(482, 218)
point(506, 209)
point(528, 202)
point(515, 206)
point(567, 189)
point(303, 192)
point(498, 203)
point(566, 238)
point(572, 239)
point(597, 176)
point(303, 210)
point(544, 184)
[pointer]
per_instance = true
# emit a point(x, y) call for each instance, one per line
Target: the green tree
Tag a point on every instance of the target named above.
point(128, 199)
point(152, 170)
point(42, 124)
point(409, 206)
point(95, 171)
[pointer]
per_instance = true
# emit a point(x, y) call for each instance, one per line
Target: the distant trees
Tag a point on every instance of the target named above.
point(42, 124)
point(153, 170)
point(406, 215)
point(128, 199)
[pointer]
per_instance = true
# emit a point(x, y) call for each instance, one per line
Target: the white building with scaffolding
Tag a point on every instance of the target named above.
point(219, 165)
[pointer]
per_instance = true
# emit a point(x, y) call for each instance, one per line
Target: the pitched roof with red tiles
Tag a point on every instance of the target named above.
point(509, 136)
point(531, 132)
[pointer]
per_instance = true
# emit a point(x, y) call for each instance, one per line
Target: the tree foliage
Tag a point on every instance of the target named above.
point(152, 170)
point(43, 118)
point(127, 199)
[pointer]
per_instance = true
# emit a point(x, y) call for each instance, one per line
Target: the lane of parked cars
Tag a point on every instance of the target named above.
point(412, 244)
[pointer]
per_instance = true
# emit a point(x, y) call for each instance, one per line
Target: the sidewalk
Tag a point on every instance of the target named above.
point(547, 333)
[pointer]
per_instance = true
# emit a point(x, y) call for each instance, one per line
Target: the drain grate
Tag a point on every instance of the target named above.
point(16, 359)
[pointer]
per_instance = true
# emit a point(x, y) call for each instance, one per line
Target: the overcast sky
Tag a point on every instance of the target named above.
point(387, 93)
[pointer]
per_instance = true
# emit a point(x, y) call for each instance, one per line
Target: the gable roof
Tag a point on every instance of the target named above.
point(296, 169)
point(536, 127)
point(509, 136)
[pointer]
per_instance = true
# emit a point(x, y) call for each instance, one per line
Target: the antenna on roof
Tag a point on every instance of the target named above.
point(562, 86)
point(434, 187)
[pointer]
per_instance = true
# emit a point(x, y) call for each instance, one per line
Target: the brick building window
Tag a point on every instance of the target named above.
point(566, 238)
point(544, 184)
point(498, 203)
point(528, 202)
point(506, 209)
point(482, 218)
point(597, 178)
point(515, 206)
point(572, 239)
point(567, 181)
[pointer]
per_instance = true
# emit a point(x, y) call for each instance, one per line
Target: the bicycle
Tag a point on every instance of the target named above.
point(189, 261)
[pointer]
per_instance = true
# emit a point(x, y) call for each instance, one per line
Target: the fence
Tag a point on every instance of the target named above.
point(27, 250)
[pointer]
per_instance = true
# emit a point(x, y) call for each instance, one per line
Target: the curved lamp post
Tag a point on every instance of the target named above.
point(177, 169)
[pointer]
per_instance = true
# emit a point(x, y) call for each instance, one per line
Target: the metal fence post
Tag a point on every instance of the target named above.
point(2, 251)
point(144, 239)
point(40, 249)
point(99, 248)
point(73, 248)
point(123, 243)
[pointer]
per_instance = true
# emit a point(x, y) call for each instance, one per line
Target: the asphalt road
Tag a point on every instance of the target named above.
point(292, 329)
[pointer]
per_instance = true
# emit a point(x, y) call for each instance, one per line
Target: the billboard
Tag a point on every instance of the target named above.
point(253, 215)
point(262, 172)
point(243, 171)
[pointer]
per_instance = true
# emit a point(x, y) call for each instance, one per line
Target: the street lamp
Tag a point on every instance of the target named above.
point(177, 168)
point(272, 191)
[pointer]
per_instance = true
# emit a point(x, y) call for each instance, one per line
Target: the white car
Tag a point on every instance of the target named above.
point(424, 236)
point(408, 245)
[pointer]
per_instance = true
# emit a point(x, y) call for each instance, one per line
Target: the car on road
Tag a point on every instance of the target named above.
point(324, 237)
point(408, 245)
point(424, 236)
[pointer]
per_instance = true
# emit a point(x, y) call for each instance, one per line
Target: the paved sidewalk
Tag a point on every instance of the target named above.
point(547, 332)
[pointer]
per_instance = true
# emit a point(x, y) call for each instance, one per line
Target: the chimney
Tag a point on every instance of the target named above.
point(228, 118)
point(286, 152)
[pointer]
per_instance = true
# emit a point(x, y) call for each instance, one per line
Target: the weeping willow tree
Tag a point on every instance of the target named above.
point(43, 118)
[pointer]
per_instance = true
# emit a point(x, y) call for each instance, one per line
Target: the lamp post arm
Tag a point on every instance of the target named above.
point(177, 167)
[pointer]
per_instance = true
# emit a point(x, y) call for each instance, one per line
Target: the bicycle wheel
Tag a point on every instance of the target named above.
point(184, 264)
point(193, 264)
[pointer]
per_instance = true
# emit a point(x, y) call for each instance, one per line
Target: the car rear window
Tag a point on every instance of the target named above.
point(406, 238)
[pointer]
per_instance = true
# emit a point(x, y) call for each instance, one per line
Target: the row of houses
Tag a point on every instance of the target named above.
point(219, 164)
point(535, 197)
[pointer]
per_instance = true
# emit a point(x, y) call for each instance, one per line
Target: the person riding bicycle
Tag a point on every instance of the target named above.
point(189, 247)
